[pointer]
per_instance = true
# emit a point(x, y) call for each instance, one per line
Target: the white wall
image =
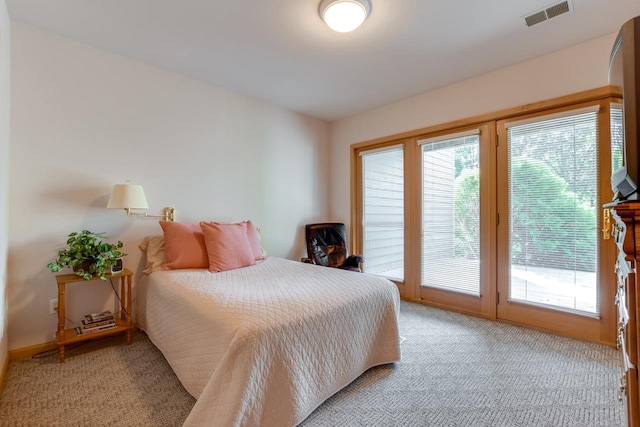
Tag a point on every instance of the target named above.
point(581, 67)
point(84, 119)
point(5, 43)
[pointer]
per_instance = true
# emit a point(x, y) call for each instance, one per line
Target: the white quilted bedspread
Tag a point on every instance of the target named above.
point(265, 345)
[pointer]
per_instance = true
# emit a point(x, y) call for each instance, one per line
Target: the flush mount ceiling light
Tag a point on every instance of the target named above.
point(344, 15)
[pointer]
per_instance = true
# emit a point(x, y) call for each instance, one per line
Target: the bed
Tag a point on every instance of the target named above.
point(265, 345)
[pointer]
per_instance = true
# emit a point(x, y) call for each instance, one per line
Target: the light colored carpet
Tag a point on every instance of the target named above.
point(456, 370)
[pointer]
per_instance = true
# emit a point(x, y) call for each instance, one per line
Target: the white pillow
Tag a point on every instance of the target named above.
point(154, 249)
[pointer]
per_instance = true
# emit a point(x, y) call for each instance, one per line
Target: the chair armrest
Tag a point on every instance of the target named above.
point(354, 260)
point(307, 260)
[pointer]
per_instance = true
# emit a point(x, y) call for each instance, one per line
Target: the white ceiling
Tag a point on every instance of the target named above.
point(281, 52)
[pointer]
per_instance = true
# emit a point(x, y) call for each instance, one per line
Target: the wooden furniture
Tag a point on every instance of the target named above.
point(124, 321)
point(626, 233)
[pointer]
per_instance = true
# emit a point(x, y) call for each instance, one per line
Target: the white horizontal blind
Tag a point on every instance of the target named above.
point(617, 130)
point(451, 213)
point(383, 212)
point(553, 203)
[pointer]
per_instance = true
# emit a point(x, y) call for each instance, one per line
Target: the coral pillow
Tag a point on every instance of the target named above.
point(227, 246)
point(254, 241)
point(184, 246)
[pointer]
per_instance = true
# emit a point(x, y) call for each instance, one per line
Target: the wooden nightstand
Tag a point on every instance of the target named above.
point(124, 323)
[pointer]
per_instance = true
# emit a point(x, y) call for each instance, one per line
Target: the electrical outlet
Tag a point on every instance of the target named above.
point(53, 306)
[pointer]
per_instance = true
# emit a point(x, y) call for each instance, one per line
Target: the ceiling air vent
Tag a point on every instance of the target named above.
point(548, 13)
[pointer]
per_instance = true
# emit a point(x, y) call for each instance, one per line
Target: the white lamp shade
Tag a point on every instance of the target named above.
point(127, 196)
point(344, 15)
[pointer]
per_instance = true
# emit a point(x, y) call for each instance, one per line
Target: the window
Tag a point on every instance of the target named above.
point(383, 212)
point(451, 213)
point(498, 215)
point(553, 208)
point(617, 131)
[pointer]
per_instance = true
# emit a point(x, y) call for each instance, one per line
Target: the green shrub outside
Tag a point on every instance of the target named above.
point(557, 231)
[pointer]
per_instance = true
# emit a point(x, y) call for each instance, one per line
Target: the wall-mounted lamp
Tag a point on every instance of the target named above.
point(130, 197)
point(344, 15)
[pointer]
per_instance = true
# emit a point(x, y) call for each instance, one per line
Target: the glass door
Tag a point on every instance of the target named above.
point(549, 206)
point(455, 227)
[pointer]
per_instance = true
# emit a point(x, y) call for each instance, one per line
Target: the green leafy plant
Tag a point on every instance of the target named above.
point(88, 255)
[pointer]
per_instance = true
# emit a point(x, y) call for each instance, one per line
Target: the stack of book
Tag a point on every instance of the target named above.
point(96, 322)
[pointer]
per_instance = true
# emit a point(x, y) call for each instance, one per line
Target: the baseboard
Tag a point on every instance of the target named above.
point(21, 353)
point(3, 371)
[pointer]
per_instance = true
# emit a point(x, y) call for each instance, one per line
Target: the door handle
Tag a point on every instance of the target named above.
point(606, 224)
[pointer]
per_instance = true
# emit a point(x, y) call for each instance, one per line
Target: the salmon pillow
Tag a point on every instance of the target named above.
point(227, 246)
point(184, 246)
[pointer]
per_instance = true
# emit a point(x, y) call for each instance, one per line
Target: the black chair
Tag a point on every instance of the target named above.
point(327, 246)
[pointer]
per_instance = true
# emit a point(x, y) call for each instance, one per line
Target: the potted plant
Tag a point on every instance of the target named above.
point(88, 254)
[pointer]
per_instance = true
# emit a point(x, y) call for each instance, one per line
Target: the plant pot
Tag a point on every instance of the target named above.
point(84, 266)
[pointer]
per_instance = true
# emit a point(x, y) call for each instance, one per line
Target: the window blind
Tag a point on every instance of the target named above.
point(617, 132)
point(451, 213)
point(383, 212)
point(553, 203)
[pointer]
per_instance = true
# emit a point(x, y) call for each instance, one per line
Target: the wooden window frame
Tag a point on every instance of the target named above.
point(410, 287)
